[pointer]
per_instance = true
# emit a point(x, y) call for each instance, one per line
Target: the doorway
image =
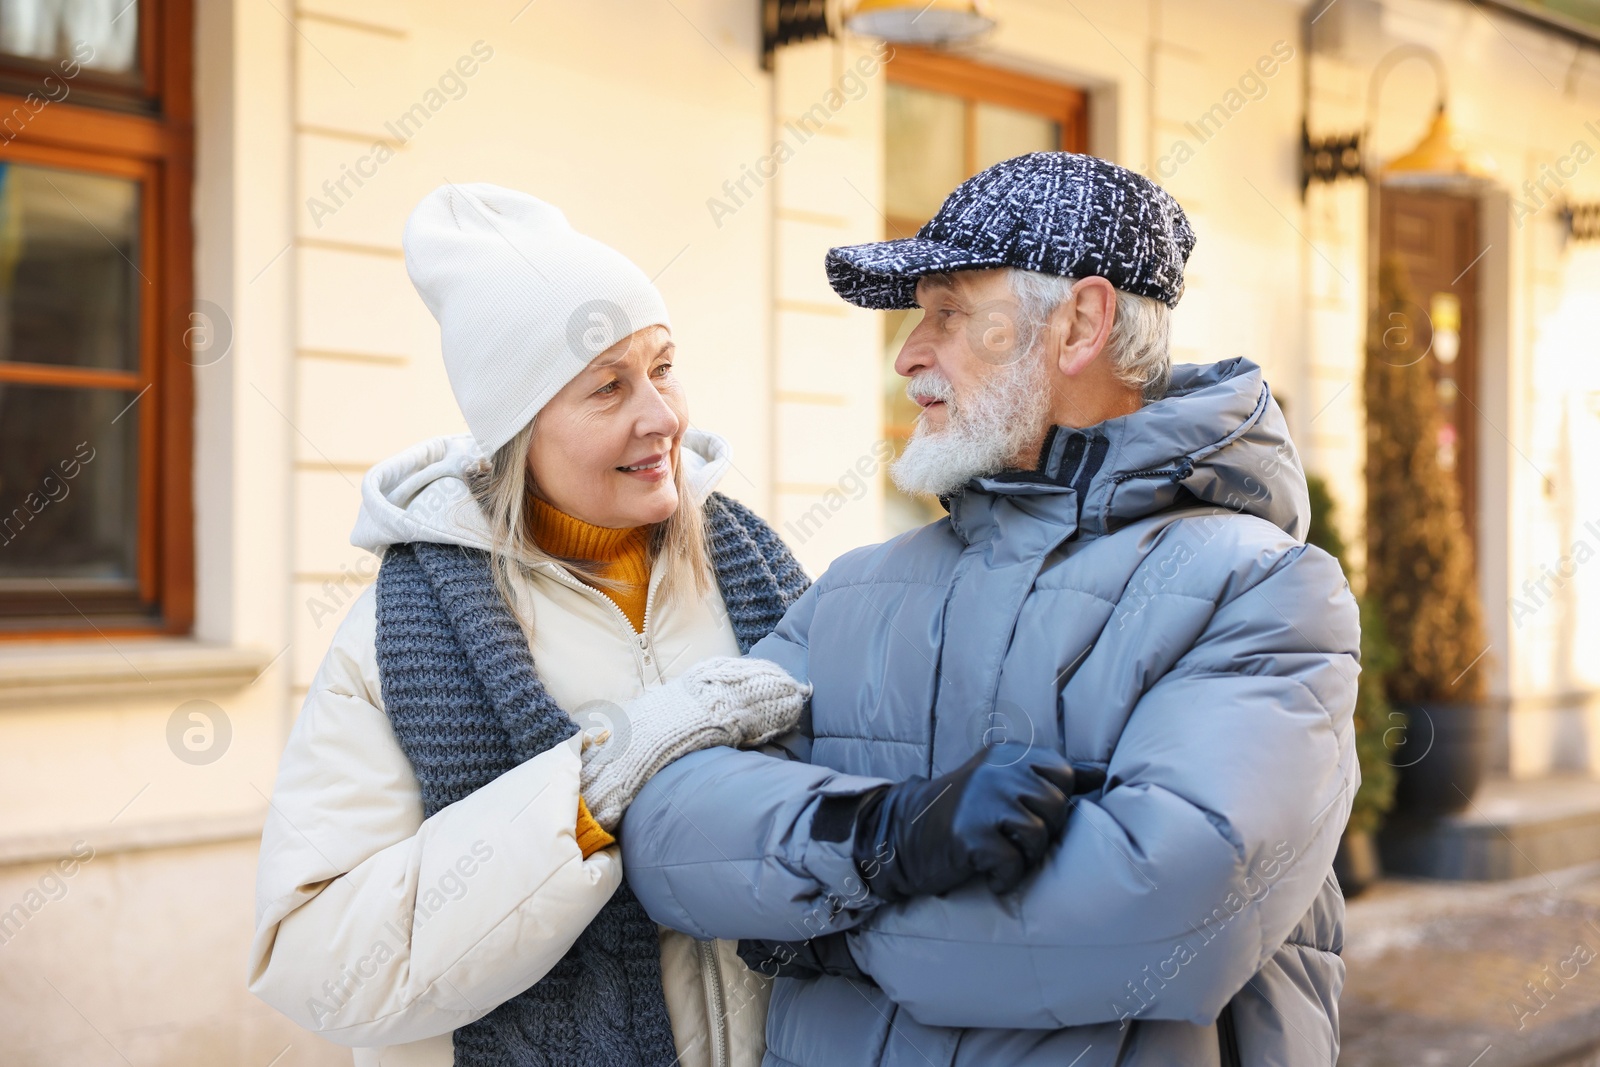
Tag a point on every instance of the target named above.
point(1433, 237)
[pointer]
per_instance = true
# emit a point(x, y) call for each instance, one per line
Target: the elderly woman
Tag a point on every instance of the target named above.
point(435, 884)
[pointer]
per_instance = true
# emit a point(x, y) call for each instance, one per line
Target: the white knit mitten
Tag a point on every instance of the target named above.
point(719, 701)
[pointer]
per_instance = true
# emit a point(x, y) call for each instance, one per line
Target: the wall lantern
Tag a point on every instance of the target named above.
point(1582, 221)
point(921, 22)
point(1441, 159)
point(933, 23)
point(1329, 158)
point(785, 22)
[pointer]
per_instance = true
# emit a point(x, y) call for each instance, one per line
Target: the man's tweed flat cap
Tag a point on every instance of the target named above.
point(1052, 212)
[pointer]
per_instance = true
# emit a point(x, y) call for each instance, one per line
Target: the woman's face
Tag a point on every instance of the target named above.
point(605, 448)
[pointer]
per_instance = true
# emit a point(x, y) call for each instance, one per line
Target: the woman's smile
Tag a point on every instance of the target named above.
point(651, 468)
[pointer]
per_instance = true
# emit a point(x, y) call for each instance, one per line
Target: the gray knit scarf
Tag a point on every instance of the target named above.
point(467, 706)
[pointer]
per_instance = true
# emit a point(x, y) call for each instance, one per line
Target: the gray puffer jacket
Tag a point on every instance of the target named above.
point(1143, 602)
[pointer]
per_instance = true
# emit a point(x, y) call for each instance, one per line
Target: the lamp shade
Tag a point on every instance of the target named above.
point(920, 22)
point(1442, 155)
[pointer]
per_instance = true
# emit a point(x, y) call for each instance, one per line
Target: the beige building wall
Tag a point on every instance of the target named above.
point(827, 424)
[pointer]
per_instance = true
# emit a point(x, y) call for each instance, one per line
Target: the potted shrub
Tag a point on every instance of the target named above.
point(1419, 568)
point(1356, 863)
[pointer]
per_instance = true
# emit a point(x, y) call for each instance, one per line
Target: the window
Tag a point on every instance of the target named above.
point(96, 335)
point(945, 120)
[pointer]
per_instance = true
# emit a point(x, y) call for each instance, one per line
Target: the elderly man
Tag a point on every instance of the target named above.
point(1120, 606)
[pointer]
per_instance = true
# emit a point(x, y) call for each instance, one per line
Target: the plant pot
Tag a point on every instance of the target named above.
point(1356, 863)
point(1441, 760)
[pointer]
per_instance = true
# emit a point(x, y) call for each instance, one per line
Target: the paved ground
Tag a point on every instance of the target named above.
point(1474, 974)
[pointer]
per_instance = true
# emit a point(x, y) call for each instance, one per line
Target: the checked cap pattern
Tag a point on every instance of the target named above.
point(1052, 212)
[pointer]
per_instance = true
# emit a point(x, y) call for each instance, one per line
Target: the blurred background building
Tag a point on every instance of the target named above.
point(207, 336)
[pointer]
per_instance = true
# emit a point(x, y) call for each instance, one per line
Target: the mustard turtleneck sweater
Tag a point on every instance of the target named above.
point(624, 556)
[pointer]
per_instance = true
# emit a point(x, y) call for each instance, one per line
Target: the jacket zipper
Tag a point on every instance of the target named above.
point(645, 648)
point(716, 1006)
point(640, 638)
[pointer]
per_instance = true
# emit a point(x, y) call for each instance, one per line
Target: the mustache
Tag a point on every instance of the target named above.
point(930, 386)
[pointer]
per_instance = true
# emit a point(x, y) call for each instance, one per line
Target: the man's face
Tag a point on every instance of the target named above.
point(983, 389)
point(968, 334)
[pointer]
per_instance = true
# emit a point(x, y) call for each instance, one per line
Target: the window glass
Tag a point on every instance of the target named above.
point(68, 489)
point(1005, 132)
point(101, 35)
point(926, 155)
point(69, 285)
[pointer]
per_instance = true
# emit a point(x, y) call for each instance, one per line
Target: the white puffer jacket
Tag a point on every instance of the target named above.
point(379, 929)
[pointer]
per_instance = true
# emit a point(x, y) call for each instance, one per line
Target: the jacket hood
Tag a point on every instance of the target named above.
point(421, 494)
point(1216, 438)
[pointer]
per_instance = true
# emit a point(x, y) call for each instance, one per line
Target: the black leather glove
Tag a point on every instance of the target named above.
point(826, 955)
point(996, 815)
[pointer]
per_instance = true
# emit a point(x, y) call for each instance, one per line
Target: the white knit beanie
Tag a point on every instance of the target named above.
point(523, 300)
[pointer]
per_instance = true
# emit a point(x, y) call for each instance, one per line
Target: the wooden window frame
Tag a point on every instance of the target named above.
point(140, 128)
point(977, 83)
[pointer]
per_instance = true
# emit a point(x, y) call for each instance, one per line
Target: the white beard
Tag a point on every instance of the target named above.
point(982, 432)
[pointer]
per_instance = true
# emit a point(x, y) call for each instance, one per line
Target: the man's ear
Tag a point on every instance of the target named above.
point(1083, 324)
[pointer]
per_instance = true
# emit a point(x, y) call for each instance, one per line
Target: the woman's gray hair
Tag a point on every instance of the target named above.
point(1140, 345)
